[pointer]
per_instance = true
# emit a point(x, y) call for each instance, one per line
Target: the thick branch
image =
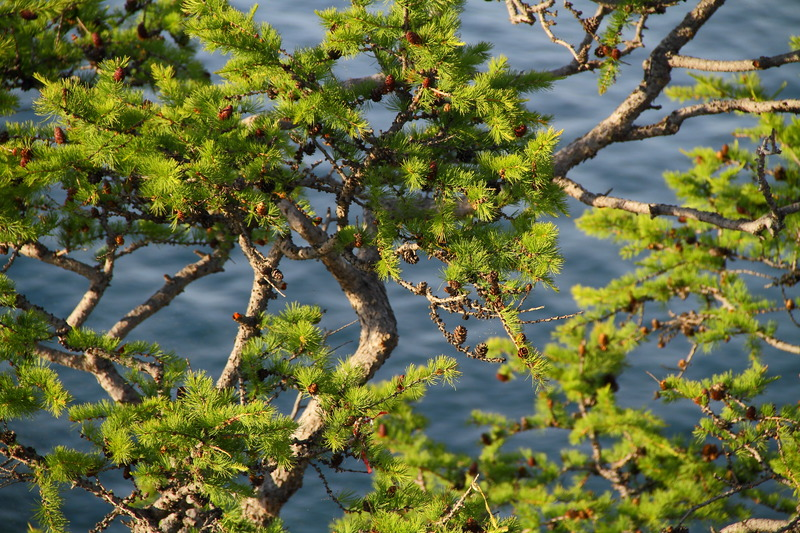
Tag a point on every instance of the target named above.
point(89, 301)
point(761, 525)
point(37, 250)
point(741, 65)
point(99, 279)
point(367, 295)
point(104, 371)
point(657, 76)
point(97, 287)
point(102, 367)
point(618, 127)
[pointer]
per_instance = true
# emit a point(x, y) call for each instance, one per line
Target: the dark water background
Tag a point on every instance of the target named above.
point(198, 326)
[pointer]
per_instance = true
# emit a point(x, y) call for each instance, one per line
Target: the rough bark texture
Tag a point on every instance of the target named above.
point(181, 509)
point(761, 525)
point(657, 75)
point(260, 295)
point(378, 338)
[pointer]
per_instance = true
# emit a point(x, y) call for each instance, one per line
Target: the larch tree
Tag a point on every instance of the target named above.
point(441, 155)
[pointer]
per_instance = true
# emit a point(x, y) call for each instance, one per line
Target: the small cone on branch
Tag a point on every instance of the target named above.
point(225, 113)
point(59, 135)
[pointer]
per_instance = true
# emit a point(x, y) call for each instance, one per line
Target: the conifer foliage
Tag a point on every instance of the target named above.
point(460, 171)
point(437, 155)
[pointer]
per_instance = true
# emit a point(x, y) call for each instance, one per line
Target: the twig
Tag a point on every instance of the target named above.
point(459, 504)
point(557, 40)
point(520, 12)
point(718, 497)
point(767, 147)
point(328, 490)
point(551, 318)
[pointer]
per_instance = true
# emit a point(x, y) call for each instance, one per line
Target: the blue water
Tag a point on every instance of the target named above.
point(198, 325)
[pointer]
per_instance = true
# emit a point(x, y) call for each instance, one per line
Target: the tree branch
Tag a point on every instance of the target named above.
point(779, 344)
point(762, 525)
point(173, 286)
point(367, 296)
point(520, 12)
point(754, 227)
point(89, 301)
point(670, 124)
point(97, 287)
point(657, 77)
point(58, 323)
point(741, 65)
point(37, 250)
point(102, 367)
point(726, 494)
point(618, 127)
point(103, 370)
point(261, 293)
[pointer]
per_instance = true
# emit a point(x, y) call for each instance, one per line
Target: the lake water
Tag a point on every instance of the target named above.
point(198, 324)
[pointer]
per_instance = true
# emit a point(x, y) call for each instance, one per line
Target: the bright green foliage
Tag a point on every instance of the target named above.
point(137, 147)
point(697, 288)
point(49, 514)
point(203, 439)
point(61, 37)
point(746, 85)
point(438, 153)
point(610, 41)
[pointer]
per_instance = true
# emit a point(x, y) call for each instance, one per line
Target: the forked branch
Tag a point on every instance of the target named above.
point(619, 127)
point(368, 298)
point(765, 222)
point(672, 123)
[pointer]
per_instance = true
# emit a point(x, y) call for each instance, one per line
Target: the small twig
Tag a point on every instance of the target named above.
point(296, 406)
point(768, 146)
point(718, 497)
point(328, 490)
point(520, 12)
point(549, 319)
point(557, 40)
point(337, 330)
point(688, 359)
point(460, 503)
